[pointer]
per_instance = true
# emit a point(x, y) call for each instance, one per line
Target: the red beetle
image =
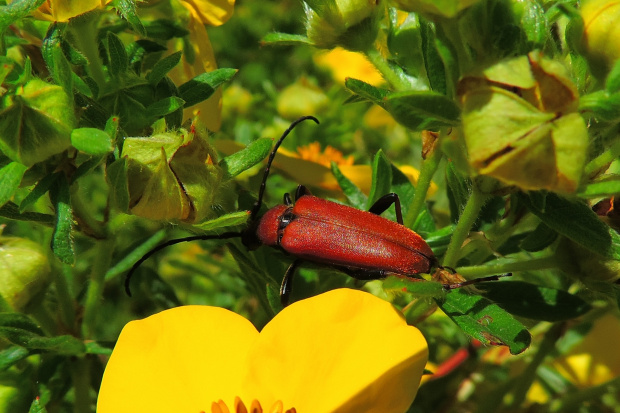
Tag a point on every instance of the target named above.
point(361, 244)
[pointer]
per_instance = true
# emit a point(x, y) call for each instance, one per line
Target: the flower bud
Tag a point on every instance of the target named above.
point(601, 37)
point(448, 8)
point(171, 175)
point(37, 124)
point(301, 98)
point(521, 126)
point(352, 24)
point(24, 271)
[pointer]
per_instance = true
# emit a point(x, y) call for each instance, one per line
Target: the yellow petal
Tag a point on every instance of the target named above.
point(595, 360)
point(208, 111)
point(63, 10)
point(211, 12)
point(343, 63)
point(180, 360)
point(341, 351)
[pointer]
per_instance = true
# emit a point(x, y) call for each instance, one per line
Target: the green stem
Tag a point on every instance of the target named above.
point(80, 376)
point(95, 288)
point(429, 167)
point(582, 397)
point(522, 385)
point(377, 59)
point(461, 231)
point(65, 298)
point(603, 159)
point(85, 40)
point(509, 265)
point(44, 319)
point(91, 226)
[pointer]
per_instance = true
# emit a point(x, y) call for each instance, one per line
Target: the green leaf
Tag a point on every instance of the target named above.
point(366, 91)
point(228, 220)
point(86, 167)
point(92, 347)
point(11, 211)
point(438, 240)
point(94, 114)
point(381, 178)
point(127, 9)
point(91, 141)
point(38, 191)
point(537, 303)
point(162, 67)
point(285, 39)
point(119, 62)
point(435, 70)
point(606, 187)
point(601, 105)
point(63, 75)
point(37, 406)
point(422, 110)
point(16, 10)
point(116, 175)
point(354, 195)
point(163, 107)
point(111, 127)
point(459, 190)
point(53, 54)
point(6, 67)
point(419, 288)
point(164, 29)
point(575, 220)
point(249, 156)
point(11, 355)
point(485, 321)
point(203, 86)
point(126, 263)
point(65, 345)
point(62, 241)
point(612, 83)
point(539, 239)
point(73, 55)
point(10, 177)
point(21, 321)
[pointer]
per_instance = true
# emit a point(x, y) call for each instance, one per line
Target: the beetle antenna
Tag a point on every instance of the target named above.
point(225, 235)
point(475, 281)
point(261, 191)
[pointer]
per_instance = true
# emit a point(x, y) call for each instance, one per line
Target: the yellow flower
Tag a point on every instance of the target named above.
point(300, 98)
point(211, 12)
point(601, 37)
point(443, 8)
point(309, 166)
point(595, 360)
point(63, 10)
point(591, 362)
point(214, 13)
point(342, 351)
point(343, 64)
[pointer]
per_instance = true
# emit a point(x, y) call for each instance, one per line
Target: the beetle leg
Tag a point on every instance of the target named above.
point(301, 191)
point(287, 283)
point(287, 200)
point(383, 203)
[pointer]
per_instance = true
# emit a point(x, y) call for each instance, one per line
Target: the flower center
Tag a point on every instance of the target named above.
point(255, 407)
